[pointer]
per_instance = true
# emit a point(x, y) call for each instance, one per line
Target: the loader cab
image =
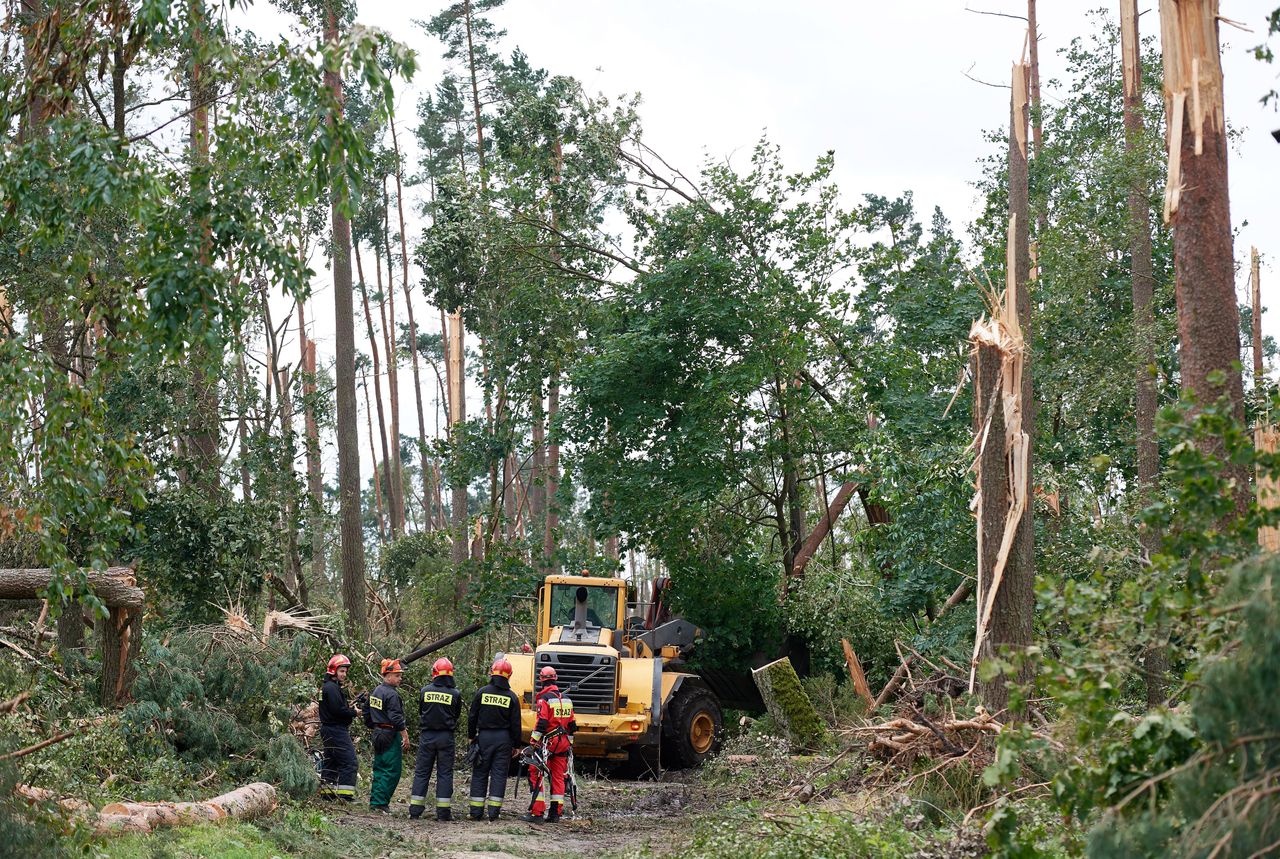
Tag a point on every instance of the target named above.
point(564, 619)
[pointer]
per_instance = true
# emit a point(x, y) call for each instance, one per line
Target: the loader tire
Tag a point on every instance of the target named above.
point(692, 727)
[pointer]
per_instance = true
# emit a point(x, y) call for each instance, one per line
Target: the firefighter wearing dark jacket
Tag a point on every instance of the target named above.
point(439, 706)
point(553, 731)
point(385, 716)
point(336, 713)
point(493, 725)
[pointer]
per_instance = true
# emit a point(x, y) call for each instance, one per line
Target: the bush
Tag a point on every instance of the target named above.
point(291, 767)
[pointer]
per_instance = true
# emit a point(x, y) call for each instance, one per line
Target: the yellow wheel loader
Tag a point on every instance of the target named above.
point(629, 697)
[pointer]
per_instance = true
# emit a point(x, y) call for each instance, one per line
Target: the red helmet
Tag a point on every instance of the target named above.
point(547, 673)
point(391, 666)
point(337, 661)
point(501, 668)
point(442, 666)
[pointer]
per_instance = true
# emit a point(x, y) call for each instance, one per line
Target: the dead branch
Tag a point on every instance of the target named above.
point(38, 746)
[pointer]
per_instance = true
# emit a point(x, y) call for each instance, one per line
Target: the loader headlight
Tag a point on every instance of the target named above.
point(635, 726)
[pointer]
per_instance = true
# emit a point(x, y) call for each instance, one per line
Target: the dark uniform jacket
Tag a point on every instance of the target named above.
point(495, 708)
point(335, 709)
point(439, 705)
point(385, 708)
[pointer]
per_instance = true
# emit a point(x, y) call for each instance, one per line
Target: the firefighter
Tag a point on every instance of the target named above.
point(439, 706)
point(336, 713)
point(385, 716)
point(493, 726)
point(553, 732)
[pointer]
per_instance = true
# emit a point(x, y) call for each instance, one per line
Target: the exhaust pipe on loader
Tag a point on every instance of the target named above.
point(580, 609)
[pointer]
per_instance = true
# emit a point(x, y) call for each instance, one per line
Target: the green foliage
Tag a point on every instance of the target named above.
point(197, 554)
point(733, 598)
point(289, 766)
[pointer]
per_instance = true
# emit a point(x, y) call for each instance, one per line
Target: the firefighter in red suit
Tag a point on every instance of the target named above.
point(553, 731)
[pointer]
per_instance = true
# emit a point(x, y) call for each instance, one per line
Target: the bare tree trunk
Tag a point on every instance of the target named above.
point(387, 309)
point(205, 421)
point(1155, 660)
point(292, 562)
point(353, 578)
point(457, 416)
point(413, 333)
point(377, 480)
point(315, 484)
point(537, 469)
point(552, 478)
point(377, 375)
point(1033, 42)
point(1255, 290)
point(1198, 208)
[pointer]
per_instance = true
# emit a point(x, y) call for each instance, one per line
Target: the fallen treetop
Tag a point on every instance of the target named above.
point(116, 586)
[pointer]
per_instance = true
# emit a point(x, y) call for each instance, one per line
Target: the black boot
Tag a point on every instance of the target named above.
point(554, 815)
point(529, 817)
point(476, 813)
point(494, 811)
point(444, 814)
point(415, 812)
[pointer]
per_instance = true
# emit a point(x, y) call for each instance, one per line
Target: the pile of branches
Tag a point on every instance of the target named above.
point(907, 737)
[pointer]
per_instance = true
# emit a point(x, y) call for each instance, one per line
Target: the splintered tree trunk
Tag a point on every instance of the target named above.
point(352, 546)
point(315, 485)
point(553, 479)
point(1198, 208)
point(1154, 660)
point(1006, 572)
point(120, 634)
point(788, 704)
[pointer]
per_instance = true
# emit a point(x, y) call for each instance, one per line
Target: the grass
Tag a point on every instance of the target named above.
point(297, 831)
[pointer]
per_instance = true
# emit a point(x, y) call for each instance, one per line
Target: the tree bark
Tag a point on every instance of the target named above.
point(377, 481)
point(387, 310)
point(315, 484)
point(1198, 208)
point(116, 586)
point(413, 335)
point(377, 385)
point(823, 528)
point(205, 420)
point(457, 416)
point(1255, 291)
point(1143, 290)
point(352, 545)
point(1033, 42)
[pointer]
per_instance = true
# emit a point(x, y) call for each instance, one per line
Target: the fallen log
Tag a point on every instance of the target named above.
point(427, 649)
point(244, 803)
point(787, 703)
point(116, 587)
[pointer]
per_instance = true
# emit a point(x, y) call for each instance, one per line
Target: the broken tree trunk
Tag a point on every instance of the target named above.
point(787, 703)
point(856, 674)
point(116, 586)
point(823, 528)
point(1197, 206)
point(1004, 416)
point(1255, 290)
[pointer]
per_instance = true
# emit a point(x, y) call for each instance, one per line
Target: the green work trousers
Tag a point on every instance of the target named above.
point(387, 767)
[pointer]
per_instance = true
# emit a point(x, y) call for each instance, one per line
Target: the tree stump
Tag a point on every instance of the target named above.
point(787, 703)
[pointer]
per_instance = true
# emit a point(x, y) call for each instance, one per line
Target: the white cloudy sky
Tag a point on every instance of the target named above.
point(881, 83)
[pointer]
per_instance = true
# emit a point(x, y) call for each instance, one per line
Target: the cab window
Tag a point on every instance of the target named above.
point(602, 606)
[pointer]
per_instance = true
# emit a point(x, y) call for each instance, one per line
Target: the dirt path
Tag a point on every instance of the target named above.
point(613, 817)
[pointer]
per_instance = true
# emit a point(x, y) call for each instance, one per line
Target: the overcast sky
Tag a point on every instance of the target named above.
point(881, 83)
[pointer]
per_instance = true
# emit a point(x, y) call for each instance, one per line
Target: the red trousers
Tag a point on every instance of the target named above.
point(558, 765)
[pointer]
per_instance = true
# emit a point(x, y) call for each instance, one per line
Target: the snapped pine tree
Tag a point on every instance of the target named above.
point(1197, 206)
